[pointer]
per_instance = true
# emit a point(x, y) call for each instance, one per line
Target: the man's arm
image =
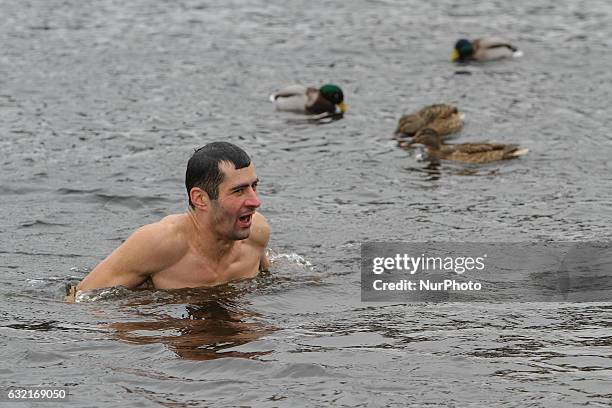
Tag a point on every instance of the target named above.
point(260, 235)
point(147, 251)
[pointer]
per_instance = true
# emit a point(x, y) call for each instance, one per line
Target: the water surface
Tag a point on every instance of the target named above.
point(102, 103)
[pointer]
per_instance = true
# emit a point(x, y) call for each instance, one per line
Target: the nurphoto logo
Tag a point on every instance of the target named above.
point(458, 272)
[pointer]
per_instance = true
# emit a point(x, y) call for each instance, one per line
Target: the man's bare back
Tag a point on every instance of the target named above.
point(221, 237)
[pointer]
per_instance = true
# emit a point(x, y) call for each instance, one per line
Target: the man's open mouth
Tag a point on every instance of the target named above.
point(246, 218)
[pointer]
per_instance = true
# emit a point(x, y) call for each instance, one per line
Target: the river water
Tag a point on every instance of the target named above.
point(102, 103)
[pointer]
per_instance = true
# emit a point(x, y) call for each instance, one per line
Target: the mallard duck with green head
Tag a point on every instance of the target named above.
point(483, 49)
point(443, 118)
point(310, 100)
point(477, 153)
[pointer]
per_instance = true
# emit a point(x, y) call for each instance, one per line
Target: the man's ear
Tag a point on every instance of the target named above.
point(199, 198)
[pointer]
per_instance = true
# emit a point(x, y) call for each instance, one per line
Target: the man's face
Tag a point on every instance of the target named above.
point(232, 213)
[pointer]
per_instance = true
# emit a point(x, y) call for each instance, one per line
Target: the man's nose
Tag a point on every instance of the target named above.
point(252, 200)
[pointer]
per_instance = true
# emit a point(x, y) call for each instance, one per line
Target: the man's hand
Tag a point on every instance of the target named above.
point(71, 295)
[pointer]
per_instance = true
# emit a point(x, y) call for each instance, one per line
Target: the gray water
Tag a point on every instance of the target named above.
point(101, 104)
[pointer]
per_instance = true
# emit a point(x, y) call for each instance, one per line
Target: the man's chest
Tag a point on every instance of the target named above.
point(194, 270)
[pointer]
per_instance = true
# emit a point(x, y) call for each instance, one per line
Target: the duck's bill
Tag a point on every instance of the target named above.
point(342, 107)
point(454, 55)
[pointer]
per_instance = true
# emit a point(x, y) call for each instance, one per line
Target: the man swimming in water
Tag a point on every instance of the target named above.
point(220, 238)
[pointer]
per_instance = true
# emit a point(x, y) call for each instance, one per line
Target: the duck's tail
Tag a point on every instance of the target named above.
point(272, 97)
point(517, 54)
point(520, 152)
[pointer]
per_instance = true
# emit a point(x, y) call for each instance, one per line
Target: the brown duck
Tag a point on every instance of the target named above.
point(442, 118)
point(466, 152)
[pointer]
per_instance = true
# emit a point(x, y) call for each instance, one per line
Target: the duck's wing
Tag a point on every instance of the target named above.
point(289, 91)
point(494, 48)
point(474, 148)
point(439, 117)
point(438, 110)
point(489, 43)
point(445, 119)
point(292, 98)
point(446, 127)
point(409, 124)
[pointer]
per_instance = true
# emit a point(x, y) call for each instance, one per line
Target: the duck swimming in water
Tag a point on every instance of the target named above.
point(477, 153)
point(443, 118)
point(483, 49)
point(309, 100)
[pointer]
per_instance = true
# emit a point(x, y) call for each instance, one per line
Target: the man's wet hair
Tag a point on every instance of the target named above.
point(203, 167)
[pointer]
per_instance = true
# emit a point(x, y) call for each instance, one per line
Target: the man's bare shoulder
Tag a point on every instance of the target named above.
point(160, 243)
point(150, 249)
point(167, 236)
point(174, 222)
point(260, 230)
